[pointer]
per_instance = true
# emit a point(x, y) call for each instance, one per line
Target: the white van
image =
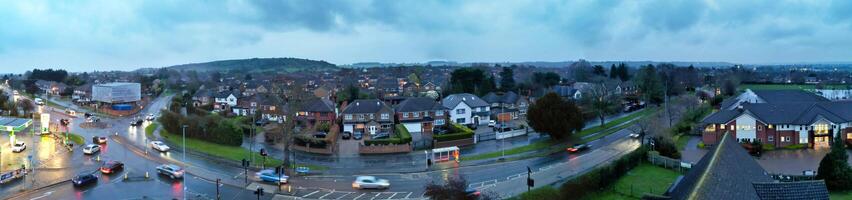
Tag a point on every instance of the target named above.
point(38, 101)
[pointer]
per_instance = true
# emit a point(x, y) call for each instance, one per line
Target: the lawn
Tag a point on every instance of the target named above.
point(542, 193)
point(631, 116)
point(645, 178)
point(840, 195)
point(681, 141)
point(149, 131)
point(234, 153)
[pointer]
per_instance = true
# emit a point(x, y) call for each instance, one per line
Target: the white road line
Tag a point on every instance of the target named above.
point(409, 194)
point(326, 194)
point(309, 194)
point(48, 193)
point(347, 194)
point(359, 196)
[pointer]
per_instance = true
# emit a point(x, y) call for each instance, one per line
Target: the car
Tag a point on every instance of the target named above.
point(358, 135)
point(70, 112)
point(150, 117)
point(269, 175)
point(136, 122)
point(380, 135)
point(492, 123)
point(346, 135)
point(99, 140)
point(111, 167)
point(634, 135)
point(173, 171)
point(87, 115)
point(578, 147)
point(38, 101)
point(84, 179)
point(472, 193)
point(370, 182)
point(19, 147)
point(320, 134)
point(159, 146)
point(90, 149)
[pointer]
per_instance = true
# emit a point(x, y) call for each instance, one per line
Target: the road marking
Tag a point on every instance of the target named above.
point(347, 194)
point(326, 194)
point(377, 194)
point(409, 194)
point(359, 196)
point(309, 194)
point(391, 196)
point(48, 193)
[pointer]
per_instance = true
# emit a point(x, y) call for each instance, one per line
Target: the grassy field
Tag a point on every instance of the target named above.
point(149, 131)
point(841, 195)
point(233, 153)
point(788, 86)
point(551, 146)
point(645, 178)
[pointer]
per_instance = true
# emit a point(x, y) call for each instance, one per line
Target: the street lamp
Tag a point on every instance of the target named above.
point(185, 184)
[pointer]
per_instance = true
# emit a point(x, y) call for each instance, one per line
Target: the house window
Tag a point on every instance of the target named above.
point(722, 126)
point(439, 122)
point(710, 128)
point(759, 127)
point(770, 138)
point(785, 139)
point(416, 114)
point(371, 115)
point(385, 116)
point(347, 117)
point(460, 120)
point(459, 111)
point(406, 115)
point(439, 113)
point(770, 126)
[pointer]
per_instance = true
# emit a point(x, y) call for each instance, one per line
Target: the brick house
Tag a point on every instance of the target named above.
point(317, 111)
point(368, 116)
point(420, 114)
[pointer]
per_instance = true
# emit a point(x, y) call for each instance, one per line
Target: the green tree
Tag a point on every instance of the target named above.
point(649, 84)
point(471, 80)
point(414, 78)
point(488, 85)
point(507, 79)
point(555, 116)
point(834, 168)
point(623, 74)
point(545, 79)
point(599, 70)
point(613, 72)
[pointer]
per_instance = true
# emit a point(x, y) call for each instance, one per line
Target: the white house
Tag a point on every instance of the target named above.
point(467, 109)
point(225, 100)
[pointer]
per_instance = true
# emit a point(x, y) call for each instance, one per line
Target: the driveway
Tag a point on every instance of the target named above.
point(793, 161)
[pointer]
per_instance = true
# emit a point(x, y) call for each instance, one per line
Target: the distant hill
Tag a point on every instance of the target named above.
point(541, 63)
point(260, 65)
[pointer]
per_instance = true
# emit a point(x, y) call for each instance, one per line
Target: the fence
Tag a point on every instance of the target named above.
point(792, 178)
point(458, 143)
point(486, 136)
point(383, 149)
point(512, 133)
point(656, 159)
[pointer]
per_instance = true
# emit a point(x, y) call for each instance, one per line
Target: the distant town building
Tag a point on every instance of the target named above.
point(118, 92)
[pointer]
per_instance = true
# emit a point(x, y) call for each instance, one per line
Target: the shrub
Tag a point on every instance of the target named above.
point(701, 144)
point(602, 177)
point(403, 134)
point(768, 147)
point(666, 147)
point(457, 132)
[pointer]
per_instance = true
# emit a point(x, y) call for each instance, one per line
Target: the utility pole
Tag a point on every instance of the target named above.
point(218, 196)
point(186, 184)
point(245, 167)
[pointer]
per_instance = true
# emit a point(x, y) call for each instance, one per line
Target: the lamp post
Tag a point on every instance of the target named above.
point(185, 184)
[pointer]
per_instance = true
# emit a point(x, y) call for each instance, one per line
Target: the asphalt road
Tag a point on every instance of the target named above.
point(129, 147)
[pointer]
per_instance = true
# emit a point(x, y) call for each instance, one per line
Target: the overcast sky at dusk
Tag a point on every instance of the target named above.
point(126, 35)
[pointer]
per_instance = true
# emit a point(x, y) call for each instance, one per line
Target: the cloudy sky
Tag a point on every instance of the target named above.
point(125, 35)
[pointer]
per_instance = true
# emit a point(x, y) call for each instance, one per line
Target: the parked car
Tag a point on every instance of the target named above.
point(90, 149)
point(320, 134)
point(577, 148)
point(19, 146)
point(472, 193)
point(159, 146)
point(150, 117)
point(370, 182)
point(87, 115)
point(111, 167)
point(38, 101)
point(173, 171)
point(346, 135)
point(99, 140)
point(70, 112)
point(634, 135)
point(84, 179)
point(269, 175)
point(358, 135)
point(380, 135)
point(492, 123)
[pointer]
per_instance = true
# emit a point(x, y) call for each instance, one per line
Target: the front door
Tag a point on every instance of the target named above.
point(822, 142)
point(372, 130)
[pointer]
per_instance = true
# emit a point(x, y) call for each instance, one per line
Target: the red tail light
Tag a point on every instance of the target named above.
point(106, 170)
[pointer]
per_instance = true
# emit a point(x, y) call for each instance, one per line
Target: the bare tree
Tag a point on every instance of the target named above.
point(26, 105)
point(601, 100)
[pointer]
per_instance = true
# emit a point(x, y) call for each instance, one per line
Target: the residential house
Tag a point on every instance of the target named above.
point(780, 118)
point(315, 111)
point(506, 106)
point(368, 116)
point(467, 108)
point(82, 93)
point(420, 114)
point(225, 100)
point(728, 172)
point(51, 87)
point(202, 97)
point(567, 92)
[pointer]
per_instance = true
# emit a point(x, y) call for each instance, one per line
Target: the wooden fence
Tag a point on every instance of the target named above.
point(656, 159)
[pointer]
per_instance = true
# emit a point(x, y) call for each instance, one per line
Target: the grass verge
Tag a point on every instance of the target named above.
point(234, 153)
point(681, 140)
point(546, 192)
point(149, 131)
point(840, 195)
point(621, 120)
point(645, 178)
point(76, 138)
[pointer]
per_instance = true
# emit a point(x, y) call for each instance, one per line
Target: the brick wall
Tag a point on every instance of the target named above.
point(384, 149)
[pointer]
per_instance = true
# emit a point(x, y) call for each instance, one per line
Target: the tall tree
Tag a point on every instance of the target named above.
point(834, 168)
point(602, 101)
point(623, 74)
point(27, 106)
point(507, 79)
point(555, 116)
point(488, 85)
point(599, 70)
point(545, 79)
point(466, 80)
point(649, 84)
point(613, 72)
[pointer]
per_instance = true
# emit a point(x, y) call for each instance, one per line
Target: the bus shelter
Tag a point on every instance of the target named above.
point(445, 154)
